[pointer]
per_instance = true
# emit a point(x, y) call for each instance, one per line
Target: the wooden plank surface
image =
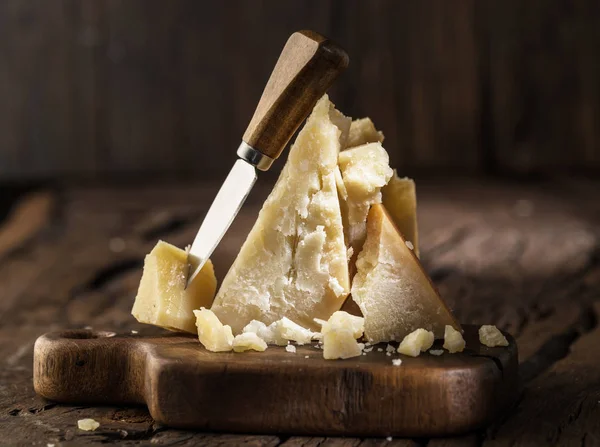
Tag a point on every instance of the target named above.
point(115, 87)
point(523, 256)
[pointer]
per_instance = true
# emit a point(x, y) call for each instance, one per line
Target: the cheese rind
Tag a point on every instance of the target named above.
point(394, 293)
point(490, 336)
point(400, 200)
point(293, 262)
point(416, 342)
point(162, 299)
point(453, 340)
point(248, 341)
point(213, 335)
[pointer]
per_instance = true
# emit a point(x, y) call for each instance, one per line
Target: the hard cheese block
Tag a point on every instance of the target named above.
point(162, 299)
point(392, 290)
point(294, 262)
point(400, 200)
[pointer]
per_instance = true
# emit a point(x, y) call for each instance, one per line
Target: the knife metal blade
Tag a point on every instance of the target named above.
point(227, 203)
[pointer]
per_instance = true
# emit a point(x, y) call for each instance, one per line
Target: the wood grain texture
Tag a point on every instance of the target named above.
point(186, 386)
point(143, 87)
point(523, 256)
point(307, 66)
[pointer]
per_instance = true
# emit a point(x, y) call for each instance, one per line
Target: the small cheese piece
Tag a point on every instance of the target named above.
point(394, 293)
point(453, 340)
point(416, 342)
point(213, 335)
point(248, 341)
point(363, 131)
point(340, 344)
point(339, 336)
point(436, 352)
point(397, 362)
point(293, 262)
point(162, 299)
point(491, 336)
point(344, 320)
point(291, 349)
point(288, 330)
point(365, 170)
point(87, 424)
point(400, 200)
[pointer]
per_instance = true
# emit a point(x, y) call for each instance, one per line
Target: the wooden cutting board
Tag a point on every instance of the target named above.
point(274, 391)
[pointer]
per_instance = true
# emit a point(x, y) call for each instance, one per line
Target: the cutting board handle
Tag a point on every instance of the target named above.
point(79, 366)
point(308, 65)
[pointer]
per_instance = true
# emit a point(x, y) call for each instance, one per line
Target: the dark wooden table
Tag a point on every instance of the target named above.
point(524, 256)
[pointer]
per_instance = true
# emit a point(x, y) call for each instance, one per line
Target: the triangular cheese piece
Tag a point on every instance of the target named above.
point(293, 262)
point(394, 293)
point(162, 299)
point(400, 200)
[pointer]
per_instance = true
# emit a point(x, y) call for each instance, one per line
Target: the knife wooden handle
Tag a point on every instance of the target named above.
point(307, 66)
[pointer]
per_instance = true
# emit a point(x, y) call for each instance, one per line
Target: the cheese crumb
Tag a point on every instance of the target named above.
point(379, 349)
point(341, 319)
point(410, 245)
point(288, 330)
point(390, 348)
point(49, 445)
point(339, 336)
point(248, 341)
point(453, 340)
point(397, 362)
point(416, 342)
point(389, 438)
point(134, 332)
point(213, 335)
point(491, 336)
point(436, 351)
point(290, 348)
point(270, 334)
point(87, 424)
point(307, 356)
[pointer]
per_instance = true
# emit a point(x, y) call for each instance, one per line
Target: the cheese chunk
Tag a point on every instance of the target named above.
point(453, 340)
point(213, 335)
point(162, 299)
point(400, 200)
point(88, 424)
point(293, 262)
point(339, 336)
point(270, 334)
point(288, 330)
point(365, 170)
point(363, 131)
point(248, 341)
point(343, 320)
point(416, 342)
point(491, 336)
point(392, 290)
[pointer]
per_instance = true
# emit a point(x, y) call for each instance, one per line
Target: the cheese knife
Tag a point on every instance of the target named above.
point(309, 63)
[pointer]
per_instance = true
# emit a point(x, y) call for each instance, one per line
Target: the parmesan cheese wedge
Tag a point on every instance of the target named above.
point(294, 260)
point(162, 299)
point(392, 290)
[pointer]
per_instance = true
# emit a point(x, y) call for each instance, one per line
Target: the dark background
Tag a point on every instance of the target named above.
point(108, 88)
